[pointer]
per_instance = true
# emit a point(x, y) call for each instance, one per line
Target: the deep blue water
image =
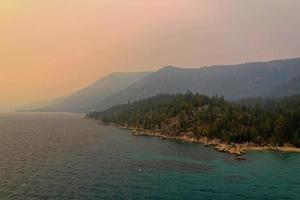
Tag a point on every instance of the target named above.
point(64, 156)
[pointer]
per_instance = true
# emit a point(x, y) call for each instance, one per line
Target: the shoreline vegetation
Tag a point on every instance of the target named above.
point(234, 127)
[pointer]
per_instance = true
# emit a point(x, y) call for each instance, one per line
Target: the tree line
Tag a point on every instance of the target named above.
point(257, 120)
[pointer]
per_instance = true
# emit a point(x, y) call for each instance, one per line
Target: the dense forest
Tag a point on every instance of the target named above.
point(261, 121)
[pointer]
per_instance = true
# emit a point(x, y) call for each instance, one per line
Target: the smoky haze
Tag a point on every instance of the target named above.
point(50, 48)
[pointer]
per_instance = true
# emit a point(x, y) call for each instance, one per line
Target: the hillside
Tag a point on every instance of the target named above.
point(270, 122)
point(231, 81)
point(292, 87)
point(87, 98)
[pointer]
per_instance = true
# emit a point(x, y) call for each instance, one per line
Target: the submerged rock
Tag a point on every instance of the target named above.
point(240, 158)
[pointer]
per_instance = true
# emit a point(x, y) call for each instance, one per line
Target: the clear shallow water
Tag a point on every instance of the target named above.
point(63, 156)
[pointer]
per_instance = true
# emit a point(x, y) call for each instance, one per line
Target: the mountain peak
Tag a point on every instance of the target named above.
point(169, 68)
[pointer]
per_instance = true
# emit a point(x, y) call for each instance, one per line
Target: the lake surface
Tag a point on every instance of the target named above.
point(64, 156)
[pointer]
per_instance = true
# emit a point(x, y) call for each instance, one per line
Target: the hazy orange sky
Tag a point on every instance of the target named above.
point(50, 48)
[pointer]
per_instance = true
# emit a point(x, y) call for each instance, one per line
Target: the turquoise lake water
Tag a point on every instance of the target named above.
point(64, 156)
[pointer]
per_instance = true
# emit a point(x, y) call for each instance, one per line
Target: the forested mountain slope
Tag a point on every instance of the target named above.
point(271, 121)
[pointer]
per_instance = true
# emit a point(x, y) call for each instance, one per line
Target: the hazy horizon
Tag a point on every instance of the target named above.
point(52, 48)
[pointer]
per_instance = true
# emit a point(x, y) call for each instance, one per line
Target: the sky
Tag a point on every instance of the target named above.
point(51, 48)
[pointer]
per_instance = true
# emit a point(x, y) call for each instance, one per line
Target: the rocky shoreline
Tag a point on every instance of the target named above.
point(236, 149)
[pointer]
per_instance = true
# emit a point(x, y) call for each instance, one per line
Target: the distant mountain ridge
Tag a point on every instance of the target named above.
point(40, 104)
point(87, 98)
point(232, 81)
